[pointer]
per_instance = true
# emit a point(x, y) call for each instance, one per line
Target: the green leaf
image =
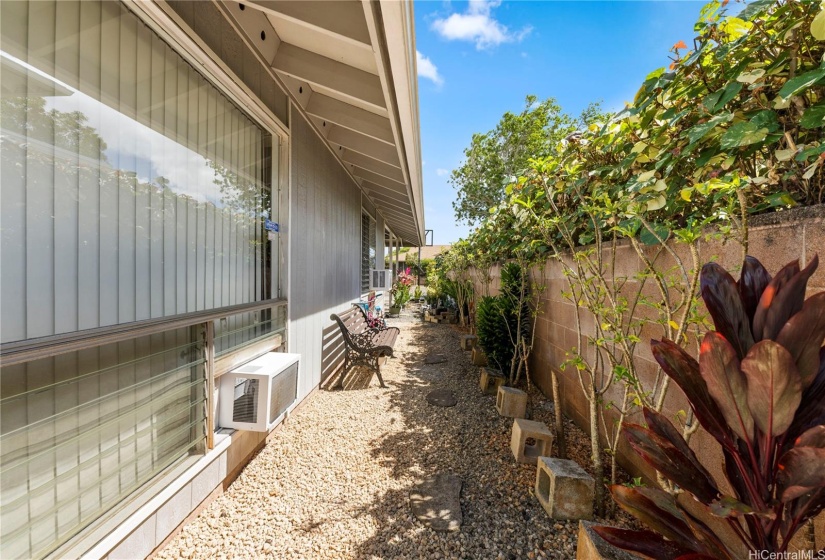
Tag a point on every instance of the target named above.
point(774, 386)
point(814, 117)
point(807, 153)
point(780, 199)
point(766, 119)
point(802, 82)
point(730, 92)
point(784, 155)
point(656, 203)
point(735, 27)
point(756, 9)
point(818, 26)
point(712, 99)
point(647, 238)
point(701, 130)
point(751, 76)
point(655, 74)
point(742, 134)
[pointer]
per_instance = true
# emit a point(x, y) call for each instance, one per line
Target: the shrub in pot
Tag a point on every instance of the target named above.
point(491, 330)
point(759, 389)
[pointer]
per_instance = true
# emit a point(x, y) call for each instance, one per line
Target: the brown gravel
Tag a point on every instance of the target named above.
point(335, 481)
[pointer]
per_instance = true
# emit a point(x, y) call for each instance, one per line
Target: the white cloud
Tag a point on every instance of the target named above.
point(477, 25)
point(426, 69)
point(442, 172)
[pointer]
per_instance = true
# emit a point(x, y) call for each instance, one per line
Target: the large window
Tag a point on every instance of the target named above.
point(131, 189)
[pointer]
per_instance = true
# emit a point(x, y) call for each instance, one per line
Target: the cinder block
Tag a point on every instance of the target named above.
point(479, 357)
point(530, 440)
point(468, 341)
point(490, 380)
point(564, 489)
point(511, 402)
point(592, 547)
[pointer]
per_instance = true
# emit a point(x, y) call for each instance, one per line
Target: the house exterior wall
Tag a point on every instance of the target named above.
point(318, 205)
point(325, 237)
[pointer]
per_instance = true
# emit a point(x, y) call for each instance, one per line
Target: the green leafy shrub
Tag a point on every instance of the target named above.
point(500, 329)
point(491, 329)
point(759, 390)
point(515, 289)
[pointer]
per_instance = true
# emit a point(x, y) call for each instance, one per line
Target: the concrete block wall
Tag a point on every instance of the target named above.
point(775, 240)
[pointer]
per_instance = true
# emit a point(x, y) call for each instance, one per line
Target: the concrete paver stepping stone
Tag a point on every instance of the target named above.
point(435, 359)
point(436, 502)
point(442, 397)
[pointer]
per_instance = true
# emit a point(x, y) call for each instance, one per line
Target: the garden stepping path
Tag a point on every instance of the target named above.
point(435, 359)
point(340, 479)
point(442, 397)
point(435, 502)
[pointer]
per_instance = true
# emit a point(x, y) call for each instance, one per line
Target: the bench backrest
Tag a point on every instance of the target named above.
point(352, 322)
point(355, 320)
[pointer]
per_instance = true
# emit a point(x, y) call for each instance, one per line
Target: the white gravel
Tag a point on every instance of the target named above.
point(335, 481)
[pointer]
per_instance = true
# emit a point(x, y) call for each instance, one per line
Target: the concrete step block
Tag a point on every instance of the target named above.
point(478, 357)
point(530, 440)
point(564, 489)
point(490, 380)
point(592, 547)
point(511, 402)
point(468, 341)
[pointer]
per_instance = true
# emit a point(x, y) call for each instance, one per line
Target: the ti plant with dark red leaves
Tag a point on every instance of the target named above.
point(759, 390)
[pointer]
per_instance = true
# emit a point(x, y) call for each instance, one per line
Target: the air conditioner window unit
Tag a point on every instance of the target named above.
point(255, 395)
point(380, 279)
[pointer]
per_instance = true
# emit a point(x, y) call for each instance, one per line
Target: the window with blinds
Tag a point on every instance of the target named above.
point(131, 187)
point(81, 431)
point(368, 250)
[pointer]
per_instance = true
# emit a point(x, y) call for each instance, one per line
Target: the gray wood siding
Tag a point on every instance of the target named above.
point(324, 237)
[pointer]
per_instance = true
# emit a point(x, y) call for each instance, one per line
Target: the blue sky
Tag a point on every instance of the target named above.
point(480, 59)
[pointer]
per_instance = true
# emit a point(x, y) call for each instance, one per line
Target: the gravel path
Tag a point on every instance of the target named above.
point(335, 481)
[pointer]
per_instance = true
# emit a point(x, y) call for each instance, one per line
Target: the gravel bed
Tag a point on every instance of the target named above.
point(335, 481)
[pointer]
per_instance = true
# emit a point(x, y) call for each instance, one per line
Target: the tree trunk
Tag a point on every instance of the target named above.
point(561, 441)
point(596, 453)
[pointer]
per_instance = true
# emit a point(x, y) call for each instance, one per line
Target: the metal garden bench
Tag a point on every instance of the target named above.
point(364, 345)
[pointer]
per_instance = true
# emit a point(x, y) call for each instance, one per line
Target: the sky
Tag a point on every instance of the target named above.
point(479, 59)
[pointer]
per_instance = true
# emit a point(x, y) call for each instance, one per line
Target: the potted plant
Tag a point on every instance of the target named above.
point(758, 389)
point(400, 291)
